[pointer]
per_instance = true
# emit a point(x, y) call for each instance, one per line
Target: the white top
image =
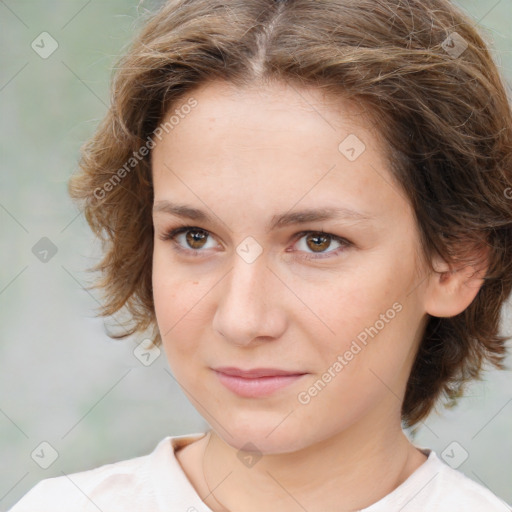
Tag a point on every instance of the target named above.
point(156, 483)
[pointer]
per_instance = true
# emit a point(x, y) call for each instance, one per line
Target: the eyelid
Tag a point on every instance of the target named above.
point(170, 235)
point(342, 241)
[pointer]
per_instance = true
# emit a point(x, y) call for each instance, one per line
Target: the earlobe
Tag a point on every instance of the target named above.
point(451, 290)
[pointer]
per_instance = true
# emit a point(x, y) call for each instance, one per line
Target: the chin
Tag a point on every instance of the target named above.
point(266, 431)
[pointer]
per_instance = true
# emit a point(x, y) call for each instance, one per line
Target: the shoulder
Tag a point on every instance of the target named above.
point(437, 486)
point(444, 489)
point(455, 491)
point(108, 487)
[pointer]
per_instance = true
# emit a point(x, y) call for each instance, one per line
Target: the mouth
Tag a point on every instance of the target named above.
point(257, 382)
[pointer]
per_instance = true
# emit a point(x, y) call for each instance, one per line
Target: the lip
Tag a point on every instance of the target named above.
point(257, 382)
point(255, 372)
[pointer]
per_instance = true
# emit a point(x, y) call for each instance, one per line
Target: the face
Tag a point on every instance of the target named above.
point(283, 248)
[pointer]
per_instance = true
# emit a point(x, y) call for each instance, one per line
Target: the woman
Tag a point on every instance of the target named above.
point(310, 205)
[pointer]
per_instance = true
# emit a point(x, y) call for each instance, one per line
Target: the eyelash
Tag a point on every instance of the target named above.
point(173, 233)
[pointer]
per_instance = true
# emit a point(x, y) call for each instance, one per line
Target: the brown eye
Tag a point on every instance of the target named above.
point(313, 244)
point(318, 242)
point(317, 245)
point(196, 238)
point(189, 239)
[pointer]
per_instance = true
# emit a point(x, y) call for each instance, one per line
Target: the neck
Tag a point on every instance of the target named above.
point(350, 470)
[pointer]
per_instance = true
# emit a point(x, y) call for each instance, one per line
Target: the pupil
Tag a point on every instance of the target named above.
point(323, 242)
point(195, 238)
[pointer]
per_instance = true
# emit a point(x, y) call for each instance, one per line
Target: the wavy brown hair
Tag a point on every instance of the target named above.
point(445, 118)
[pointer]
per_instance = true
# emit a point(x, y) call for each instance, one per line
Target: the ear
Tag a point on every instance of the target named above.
point(451, 290)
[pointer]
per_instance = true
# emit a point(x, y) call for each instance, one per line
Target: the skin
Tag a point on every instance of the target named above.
point(244, 155)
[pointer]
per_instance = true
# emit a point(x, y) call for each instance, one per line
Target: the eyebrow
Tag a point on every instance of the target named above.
point(277, 221)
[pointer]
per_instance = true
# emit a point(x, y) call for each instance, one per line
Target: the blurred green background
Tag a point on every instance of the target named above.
point(62, 379)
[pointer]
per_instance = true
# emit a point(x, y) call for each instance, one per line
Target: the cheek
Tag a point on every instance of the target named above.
point(164, 293)
point(172, 298)
point(181, 307)
point(348, 303)
point(178, 325)
point(366, 313)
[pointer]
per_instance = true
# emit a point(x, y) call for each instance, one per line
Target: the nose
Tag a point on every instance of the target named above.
point(249, 309)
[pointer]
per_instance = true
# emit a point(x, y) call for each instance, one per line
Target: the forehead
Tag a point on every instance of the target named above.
point(276, 106)
point(275, 144)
